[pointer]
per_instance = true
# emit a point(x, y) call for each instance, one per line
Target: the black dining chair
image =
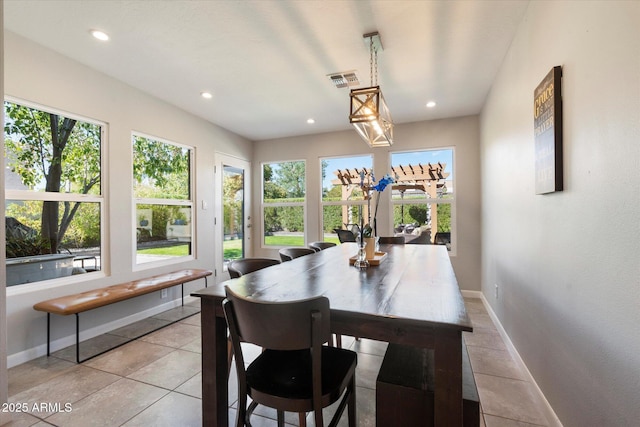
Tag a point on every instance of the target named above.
point(345, 235)
point(392, 240)
point(442, 238)
point(423, 239)
point(295, 372)
point(243, 266)
point(319, 246)
point(238, 268)
point(287, 254)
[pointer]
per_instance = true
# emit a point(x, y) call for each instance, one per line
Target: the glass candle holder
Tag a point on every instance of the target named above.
point(361, 259)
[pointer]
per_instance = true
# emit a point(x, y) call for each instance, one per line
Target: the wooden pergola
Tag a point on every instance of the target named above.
point(428, 178)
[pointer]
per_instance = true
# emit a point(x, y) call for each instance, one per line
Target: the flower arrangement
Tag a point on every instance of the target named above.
point(368, 230)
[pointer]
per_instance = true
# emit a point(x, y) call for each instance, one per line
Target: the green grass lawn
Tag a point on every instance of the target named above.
point(232, 248)
point(177, 250)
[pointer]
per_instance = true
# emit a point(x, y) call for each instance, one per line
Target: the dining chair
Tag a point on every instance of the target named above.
point(287, 254)
point(345, 235)
point(295, 372)
point(442, 238)
point(238, 268)
point(423, 239)
point(393, 240)
point(244, 266)
point(319, 246)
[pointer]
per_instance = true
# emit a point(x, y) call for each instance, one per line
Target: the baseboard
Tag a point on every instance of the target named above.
point(41, 350)
point(550, 414)
point(472, 294)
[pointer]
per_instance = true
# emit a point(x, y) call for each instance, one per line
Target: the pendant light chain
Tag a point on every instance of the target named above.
point(376, 65)
point(371, 61)
point(373, 71)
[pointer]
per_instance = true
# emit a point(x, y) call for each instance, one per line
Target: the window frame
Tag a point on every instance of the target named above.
point(347, 203)
point(263, 204)
point(189, 202)
point(44, 196)
point(452, 201)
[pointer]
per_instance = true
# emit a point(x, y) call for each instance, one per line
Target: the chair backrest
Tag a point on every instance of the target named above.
point(393, 240)
point(345, 235)
point(287, 254)
point(286, 325)
point(244, 266)
point(442, 238)
point(423, 239)
point(319, 246)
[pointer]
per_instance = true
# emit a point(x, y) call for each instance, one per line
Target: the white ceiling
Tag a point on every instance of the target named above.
point(266, 62)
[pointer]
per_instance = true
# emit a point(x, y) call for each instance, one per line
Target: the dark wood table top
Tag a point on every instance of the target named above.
point(414, 284)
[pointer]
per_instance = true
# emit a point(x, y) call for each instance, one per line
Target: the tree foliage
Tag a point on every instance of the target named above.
point(290, 177)
point(160, 170)
point(284, 183)
point(232, 199)
point(59, 152)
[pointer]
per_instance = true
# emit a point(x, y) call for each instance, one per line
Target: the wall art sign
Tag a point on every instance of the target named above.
point(547, 122)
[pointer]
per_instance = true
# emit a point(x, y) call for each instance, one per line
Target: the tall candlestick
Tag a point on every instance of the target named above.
point(361, 223)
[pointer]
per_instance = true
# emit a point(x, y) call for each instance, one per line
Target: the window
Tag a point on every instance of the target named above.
point(53, 194)
point(283, 203)
point(342, 197)
point(163, 199)
point(423, 196)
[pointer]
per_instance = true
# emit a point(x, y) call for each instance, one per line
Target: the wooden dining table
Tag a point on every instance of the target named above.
point(412, 297)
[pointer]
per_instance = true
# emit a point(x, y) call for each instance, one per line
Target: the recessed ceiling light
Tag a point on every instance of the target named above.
point(100, 35)
point(311, 121)
point(206, 95)
point(431, 104)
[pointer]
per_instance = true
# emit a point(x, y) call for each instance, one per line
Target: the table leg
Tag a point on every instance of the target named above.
point(215, 411)
point(448, 378)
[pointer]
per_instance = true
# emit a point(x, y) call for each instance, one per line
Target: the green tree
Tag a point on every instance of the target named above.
point(58, 151)
point(290, 176)
point(232, 184)
point(160, 170)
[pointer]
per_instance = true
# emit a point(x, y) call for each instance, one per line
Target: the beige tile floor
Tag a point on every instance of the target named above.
point(155, 381)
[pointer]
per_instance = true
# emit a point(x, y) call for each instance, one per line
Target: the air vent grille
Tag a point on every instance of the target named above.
point(344, 79)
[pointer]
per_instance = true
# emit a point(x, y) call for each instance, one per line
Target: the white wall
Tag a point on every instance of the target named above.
point(42, 76)
point(568, 263)
point(4, 379)
point(461, 133)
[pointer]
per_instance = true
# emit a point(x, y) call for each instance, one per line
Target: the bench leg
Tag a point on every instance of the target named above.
point(77, 338)
point(182, 285)
point(48, 334)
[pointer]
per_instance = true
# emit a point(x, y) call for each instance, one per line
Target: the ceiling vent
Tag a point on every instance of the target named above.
point(344, 79)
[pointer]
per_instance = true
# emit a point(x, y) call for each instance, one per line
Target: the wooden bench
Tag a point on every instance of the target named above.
point(95, 298)
point(405, 386)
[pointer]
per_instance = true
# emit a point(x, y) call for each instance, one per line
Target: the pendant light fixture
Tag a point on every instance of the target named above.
point(369, 113)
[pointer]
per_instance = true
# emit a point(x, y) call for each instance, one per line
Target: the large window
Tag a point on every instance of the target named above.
point(163, 222)
point(283, 203)
point(423, 196)
point(53, 194)
point(343, 200)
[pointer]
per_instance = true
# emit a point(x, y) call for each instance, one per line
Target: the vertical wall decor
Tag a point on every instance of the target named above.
point(547, 121)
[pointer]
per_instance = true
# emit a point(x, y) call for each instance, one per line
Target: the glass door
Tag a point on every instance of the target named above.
point(234, 219)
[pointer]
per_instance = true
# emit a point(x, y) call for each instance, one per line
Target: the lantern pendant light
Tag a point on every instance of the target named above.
point(369, 113)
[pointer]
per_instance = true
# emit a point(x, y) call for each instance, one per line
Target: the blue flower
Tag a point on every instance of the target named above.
point(382, 184)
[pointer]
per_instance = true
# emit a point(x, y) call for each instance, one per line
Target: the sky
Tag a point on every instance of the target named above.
point(404, 158)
